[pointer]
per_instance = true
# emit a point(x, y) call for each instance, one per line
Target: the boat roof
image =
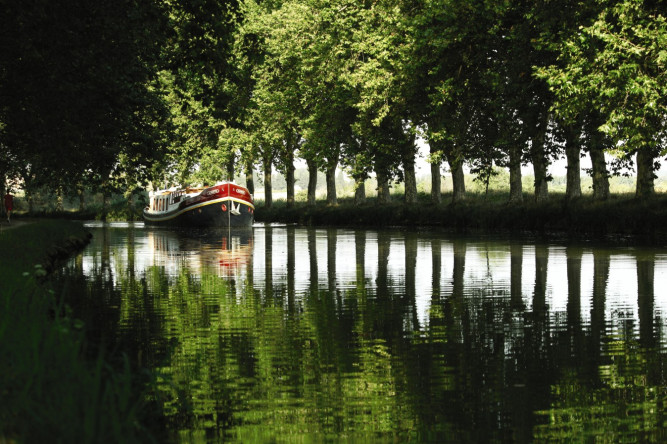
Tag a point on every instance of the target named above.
point(188, 189)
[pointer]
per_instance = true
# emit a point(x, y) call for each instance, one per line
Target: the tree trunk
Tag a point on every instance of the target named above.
point(384, 195)
point(458, 181)
point(130, 204)
point(29, 197)
point(3, 191)
point(540, 165)
point(359, 191)
point(289, 178)
point(436, 177)
point(645, 173)
point(458, 178)
point(599, 172)
point(80, 191)
point(106, 197)
point(268, 187)
point(249, 178)
point(596, 148)
point(540, 173)
point(436, 184)
point(516, 184)
point(312, 182)
point(410, 179)
point(331, 183)
point(59, 200)
point(573, 155)
point(230, 170)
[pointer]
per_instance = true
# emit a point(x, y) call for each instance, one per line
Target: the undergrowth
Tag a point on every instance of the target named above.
point(51, 389)
point(618, 215)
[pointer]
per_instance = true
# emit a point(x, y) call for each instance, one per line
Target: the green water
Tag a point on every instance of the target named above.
point(287, 334)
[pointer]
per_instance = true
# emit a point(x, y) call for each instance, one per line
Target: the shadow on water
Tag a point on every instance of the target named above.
point(286, 333)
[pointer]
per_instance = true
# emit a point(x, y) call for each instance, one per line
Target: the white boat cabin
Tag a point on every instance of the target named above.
point(163, 201)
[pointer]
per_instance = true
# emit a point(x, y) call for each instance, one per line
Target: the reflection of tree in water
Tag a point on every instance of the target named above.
point(605, 387)
point(350, 357)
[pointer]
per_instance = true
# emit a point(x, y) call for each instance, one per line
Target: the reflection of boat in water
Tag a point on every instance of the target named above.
point(225, 204)
point(227, 251)
point(235, 255)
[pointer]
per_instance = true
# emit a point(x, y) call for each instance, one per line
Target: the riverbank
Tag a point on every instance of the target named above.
point(619, 216)
point(52, 387)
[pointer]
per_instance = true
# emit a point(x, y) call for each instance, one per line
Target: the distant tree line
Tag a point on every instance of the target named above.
point(118, 94)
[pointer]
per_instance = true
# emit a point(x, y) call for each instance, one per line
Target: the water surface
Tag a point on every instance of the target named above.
point(283, 334)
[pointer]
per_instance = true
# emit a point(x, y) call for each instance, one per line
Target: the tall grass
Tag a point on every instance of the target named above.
point(50, 390)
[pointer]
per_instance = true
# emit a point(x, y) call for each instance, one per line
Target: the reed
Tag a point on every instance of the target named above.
point(51, 390)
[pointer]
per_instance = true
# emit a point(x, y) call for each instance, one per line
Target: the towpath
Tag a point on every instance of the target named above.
point(4, 225)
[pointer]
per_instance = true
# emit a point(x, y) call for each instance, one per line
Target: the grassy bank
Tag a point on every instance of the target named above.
point(50, 387)
point(620, 215)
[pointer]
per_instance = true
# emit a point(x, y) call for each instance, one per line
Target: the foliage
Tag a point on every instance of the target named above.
point(616, 65)
point(196, 76)
point(52, 389)
point(77, 100)
point(106, 97)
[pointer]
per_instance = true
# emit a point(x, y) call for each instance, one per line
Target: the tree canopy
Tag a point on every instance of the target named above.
point(176, 92)
point(77, 93)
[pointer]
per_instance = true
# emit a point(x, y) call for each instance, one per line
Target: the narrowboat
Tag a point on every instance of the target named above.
point(224, 204)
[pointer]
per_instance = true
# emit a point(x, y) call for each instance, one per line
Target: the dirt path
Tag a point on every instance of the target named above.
point(4, 225)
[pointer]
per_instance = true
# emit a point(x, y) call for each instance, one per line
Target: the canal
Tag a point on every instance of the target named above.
point(284, 333)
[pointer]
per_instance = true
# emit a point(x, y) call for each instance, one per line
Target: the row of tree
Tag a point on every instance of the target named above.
point(120, 93)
